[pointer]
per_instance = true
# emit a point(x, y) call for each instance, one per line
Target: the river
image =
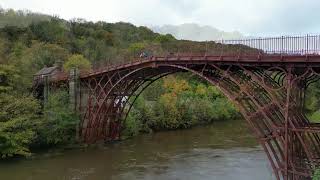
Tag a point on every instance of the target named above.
point(221, 151)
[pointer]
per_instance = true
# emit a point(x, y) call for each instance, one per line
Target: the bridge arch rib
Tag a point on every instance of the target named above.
point(261, 94)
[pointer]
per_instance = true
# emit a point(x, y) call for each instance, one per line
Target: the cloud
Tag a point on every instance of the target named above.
point(252, 17)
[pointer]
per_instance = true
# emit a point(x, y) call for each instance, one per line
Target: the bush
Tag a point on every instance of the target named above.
point(19, 120)
point(59, 121)
point(77, 61)
point(139, 118)
point(316, 175)
point(136, 48)
point(132, 124)
point(315, 117)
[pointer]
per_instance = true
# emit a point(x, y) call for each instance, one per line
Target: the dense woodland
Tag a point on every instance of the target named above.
point(30, 41)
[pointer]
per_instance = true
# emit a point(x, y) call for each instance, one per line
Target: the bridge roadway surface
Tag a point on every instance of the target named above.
point(263, 60)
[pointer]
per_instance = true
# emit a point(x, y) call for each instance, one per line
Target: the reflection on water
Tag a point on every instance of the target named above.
point(222, 151)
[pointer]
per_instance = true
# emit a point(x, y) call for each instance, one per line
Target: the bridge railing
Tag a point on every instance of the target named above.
point(289, 45)
point(284, 45)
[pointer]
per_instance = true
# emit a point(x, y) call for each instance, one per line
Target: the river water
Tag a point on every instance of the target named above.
point(221, 151)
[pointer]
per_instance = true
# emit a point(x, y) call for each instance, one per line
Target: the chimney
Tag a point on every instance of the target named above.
point(58, 64)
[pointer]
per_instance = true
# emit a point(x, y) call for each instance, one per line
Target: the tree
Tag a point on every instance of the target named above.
point(174, 85)
point(28, 61)
point(167, 112)
point(19, 115)
point(77, 61)
point(20, 18)
point(162, 39)
point(59, 121)
point(8, 77)
point(49, 31)
point(316, 175)
point(140, 118)
point(4, 48)
point(312, 102)
point(136, 48)
point(19, 118)
point(41, 55)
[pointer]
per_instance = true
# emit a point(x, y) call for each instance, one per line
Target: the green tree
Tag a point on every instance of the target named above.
point(8, 77)
point(59, 121)
point(136, 48)
point(140, 118)
point(77, 61)
point(19, 115)
point(41, 55)
point(167, 112)
point(19, 119)
point(316, 175)
point(312, 102)
point(20, 18)
point(162, 39)
point(28, 61)
point(49, 31)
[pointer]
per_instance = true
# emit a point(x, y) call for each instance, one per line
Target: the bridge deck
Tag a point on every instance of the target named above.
point(251, 60)
point(248, 60)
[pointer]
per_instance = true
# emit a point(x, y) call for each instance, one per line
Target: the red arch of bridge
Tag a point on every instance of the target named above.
point(263, 93)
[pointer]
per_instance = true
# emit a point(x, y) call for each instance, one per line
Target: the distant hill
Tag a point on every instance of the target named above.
point(196, 32)
point(20, 18)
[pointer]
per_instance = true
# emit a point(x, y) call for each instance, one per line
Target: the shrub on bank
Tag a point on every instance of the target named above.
point(316, 175)
point(59, 121)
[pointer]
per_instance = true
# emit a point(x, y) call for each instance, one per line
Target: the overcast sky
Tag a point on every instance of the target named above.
point(251, 17)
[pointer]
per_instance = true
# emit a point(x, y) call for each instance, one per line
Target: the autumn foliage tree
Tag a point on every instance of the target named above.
point(77, 61)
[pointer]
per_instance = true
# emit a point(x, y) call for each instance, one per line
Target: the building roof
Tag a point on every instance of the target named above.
point(46, 70)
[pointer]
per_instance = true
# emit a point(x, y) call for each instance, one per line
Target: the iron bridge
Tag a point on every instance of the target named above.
point(266, 78)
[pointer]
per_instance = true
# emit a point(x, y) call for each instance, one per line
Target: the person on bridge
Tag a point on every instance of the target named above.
point(143, 55)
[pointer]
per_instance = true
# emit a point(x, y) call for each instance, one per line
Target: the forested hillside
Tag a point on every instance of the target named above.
point(30, 41)
point(20, 18)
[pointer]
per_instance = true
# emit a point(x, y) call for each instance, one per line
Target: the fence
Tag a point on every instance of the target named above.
point(290, 45)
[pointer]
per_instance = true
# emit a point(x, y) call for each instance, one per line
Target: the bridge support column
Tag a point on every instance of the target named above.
point(74, 89)
point(74, 93)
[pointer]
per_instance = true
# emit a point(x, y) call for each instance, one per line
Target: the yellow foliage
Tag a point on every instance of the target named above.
point(169, 100)
point(172, 115)
point(201, 90)
point(77, 61)
point(174, 85)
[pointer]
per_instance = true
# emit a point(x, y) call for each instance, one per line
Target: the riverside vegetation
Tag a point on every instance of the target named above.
point(31, 41)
